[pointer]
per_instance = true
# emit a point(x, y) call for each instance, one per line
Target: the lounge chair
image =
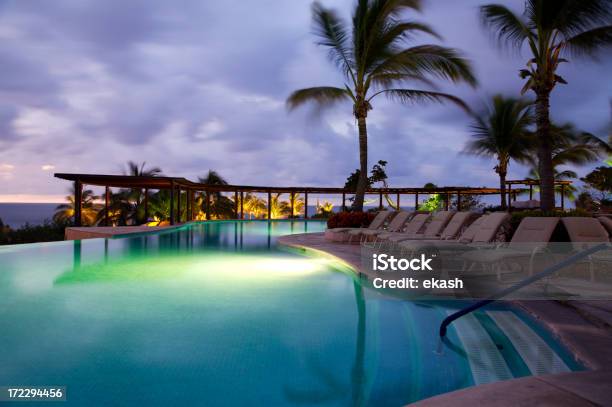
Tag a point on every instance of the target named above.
point(449, 239)
point(411, 229)
point(582, 229)
point(584, 232)
point(606, 223)
point(530, 230)
point(396, 225)
point(341, 234)
point(490, 226)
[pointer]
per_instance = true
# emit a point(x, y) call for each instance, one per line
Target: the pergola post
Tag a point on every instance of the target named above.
point(292, 200)
point(530, 192)
point(305, 205)
point(416, 201)
point(344, 201)
point(269, 205)
point(398, 202)
point(207, 204)
point(380, 201)
point(447, 201)
point(562, 197)
point(236, 203)
point(241, 204)
point(458, 201)
point(172, 202)
point(509, 196)
point(78, 202)
point(146, 204)
point(178, 205)
point(106, 204)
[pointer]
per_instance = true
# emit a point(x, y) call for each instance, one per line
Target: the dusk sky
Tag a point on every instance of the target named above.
point(195, 85)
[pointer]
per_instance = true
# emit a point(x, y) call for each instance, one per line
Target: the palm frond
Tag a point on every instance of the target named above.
point(321, 95)
point(413, 96)
point(510, 29)
point(386, 80)
point(332, 33)
point(590, 42)
point(434, 60)
point(572, 17)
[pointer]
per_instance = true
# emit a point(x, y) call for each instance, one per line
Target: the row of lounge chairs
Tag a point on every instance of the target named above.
point(469, 227)
point(482, 258)
point(463, 227)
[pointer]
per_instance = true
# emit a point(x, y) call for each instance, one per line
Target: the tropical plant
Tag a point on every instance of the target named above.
point(221, 207)
point(376, 61)
point(324, 210)
point(127, 205)
point(298, 206)
point(434, 202)
point(570, 147)
point(600, 179)
point(64, 213)
point(552, 30)
point(254, 206)
point(502, 131)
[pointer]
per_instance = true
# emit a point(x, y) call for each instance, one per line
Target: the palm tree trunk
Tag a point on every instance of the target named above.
point(363, 164)
point(502, 190)
point(545, 165)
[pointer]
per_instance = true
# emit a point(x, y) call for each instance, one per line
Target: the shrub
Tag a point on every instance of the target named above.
point(47, 232)
point(350, 220)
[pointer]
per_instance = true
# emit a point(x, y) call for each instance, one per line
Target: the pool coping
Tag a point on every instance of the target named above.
point(583, 333)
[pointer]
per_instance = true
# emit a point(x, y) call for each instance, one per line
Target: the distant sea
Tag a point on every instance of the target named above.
point(18, 214)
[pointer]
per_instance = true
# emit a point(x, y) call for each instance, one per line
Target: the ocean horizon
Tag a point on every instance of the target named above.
point(16, 215)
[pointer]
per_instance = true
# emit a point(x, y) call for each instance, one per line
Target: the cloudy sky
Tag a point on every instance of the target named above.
point(192, 85)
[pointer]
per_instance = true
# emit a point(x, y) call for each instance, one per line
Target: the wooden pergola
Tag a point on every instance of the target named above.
point(179, 186)
point(530, 183)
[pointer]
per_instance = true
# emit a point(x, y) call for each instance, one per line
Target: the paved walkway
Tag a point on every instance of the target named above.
point(566, 389)
point(584, 327)
point(94, 232)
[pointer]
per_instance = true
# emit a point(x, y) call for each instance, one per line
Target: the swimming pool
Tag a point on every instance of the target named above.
point(216, 314)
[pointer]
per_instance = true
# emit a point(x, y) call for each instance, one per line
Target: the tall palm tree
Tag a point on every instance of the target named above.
point(376, 61)
point(502, 131)
point(570, 147)
point(552, 30)
point(64, 213)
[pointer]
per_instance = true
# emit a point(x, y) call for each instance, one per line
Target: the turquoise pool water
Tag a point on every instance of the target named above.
point(216, 314)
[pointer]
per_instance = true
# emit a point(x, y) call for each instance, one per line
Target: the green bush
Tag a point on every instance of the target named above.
point(47, 232)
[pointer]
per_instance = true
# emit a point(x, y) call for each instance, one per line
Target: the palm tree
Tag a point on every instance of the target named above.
point(375, 61)
point(552, 29)
point(134, 197)
point(64, 213)
point(254, 206)
point(502, 132)
point(570, 147)
point(221, 207)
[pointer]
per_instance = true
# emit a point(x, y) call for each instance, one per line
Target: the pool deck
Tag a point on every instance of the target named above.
point(583, 327)
point(95, 232)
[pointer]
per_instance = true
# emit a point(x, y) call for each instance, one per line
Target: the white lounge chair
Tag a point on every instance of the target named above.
point(396, 225)
point(341, 234)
